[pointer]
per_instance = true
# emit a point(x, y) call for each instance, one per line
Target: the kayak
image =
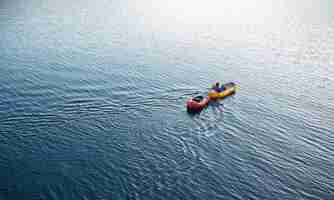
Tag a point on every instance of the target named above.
point(229, 89)
point(197, 103)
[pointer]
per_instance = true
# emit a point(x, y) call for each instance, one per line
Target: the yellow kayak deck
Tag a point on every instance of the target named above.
point(230, 89)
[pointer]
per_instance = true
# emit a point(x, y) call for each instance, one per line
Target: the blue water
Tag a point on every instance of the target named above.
point(92, 99)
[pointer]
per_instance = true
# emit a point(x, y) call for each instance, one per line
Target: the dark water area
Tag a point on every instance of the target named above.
point(92, 99)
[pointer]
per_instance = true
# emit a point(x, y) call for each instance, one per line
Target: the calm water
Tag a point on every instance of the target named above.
point(92, 99)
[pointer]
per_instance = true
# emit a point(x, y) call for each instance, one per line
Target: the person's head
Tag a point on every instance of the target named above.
point(217, 84)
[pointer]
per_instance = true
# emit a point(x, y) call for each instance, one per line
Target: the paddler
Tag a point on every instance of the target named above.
point(216, 87)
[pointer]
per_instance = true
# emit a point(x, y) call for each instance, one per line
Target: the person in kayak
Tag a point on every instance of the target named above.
point(216, 87)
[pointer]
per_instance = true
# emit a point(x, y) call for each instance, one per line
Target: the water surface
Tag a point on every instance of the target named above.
point(92, 99)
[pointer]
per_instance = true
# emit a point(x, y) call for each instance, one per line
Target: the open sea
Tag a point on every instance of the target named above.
point(92, 100)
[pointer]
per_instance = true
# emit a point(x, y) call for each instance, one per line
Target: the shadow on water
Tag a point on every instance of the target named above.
point(217, 105)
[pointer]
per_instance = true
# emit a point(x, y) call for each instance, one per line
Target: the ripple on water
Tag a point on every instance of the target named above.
point(91, 110)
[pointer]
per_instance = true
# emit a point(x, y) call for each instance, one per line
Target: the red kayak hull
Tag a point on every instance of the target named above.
point(194, 106)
